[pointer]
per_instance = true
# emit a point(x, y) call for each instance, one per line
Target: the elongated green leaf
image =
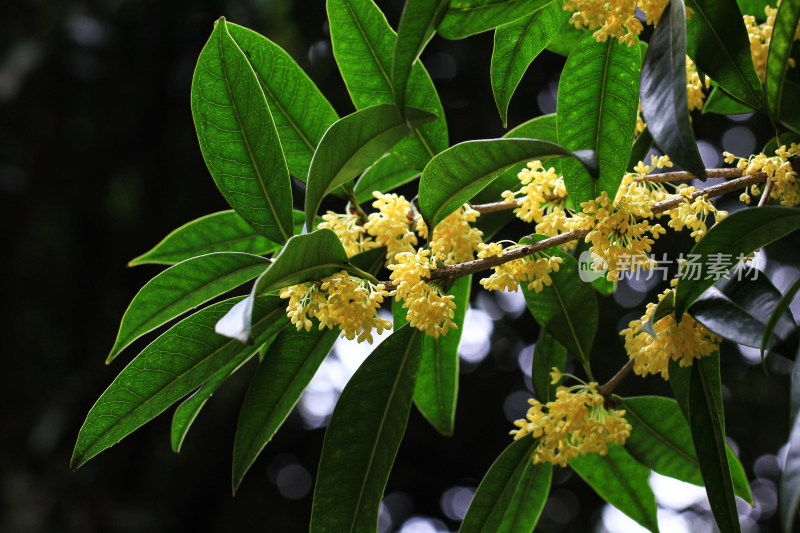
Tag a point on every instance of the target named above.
point(717, 41)
point(181, 288)
point(187, 411)
point(300, 111)
point(542, 128)
point(789, 486)
point(567, 308)
point(516, 45)
point(171, 367)
point(468, 17)
point(779, 313)
point(641, 146)
point(753, 7)
point(722, 103)
point(385, 175)
point(418, 23)
point(736, 236)
point(511, 495)
point(364, 434)
point(306, 257)
point(621, 481)
point(662, 91)
point(568, 37)
point(547, 353)
point(596, 110)
point(661, 440)
point(288, 366)
point(780, 48)
point(460, 172)
point(351, 145)
point(238, 137)
point(363, 45)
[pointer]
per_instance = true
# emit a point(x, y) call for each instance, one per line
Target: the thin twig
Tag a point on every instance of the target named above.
point(607, 388)
point(765, 195)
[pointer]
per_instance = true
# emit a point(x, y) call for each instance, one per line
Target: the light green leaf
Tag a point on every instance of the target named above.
point(386, 174)
point(720, 102)
point(364, 434)
point(780, 48)
point(468, 17)
point(238, 138)
point(547, 353)
point(568, 37)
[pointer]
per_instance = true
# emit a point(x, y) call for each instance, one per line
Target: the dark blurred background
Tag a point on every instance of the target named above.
point(99, 160)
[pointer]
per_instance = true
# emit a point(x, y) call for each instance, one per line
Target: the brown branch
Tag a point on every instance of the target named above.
point(765, 195)
point(607, 388)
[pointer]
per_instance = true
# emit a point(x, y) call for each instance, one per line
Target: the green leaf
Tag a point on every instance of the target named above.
point(568, 38)
point(621, 481)
point(780, 48)
point(542, 128)
point(640, 149)
point(789, 484)
point(363, 46)
point(780, 310)
point(351, 145)
point(665, 106)
point(661, 440)
point(386, 174)
point(567, 308)
point(512, 494)
point(288, 366)
point(364, 434)
point(175, 364)
point(187, 411)
point(737, 235)
point(720, 102)
point(468, 17)
point(516, 45)
point(460, 172)
point(183, 287)
point(598, 97)
point(786, 138)
point(418, 23)
point(300, 111)
point(718, 43)
point(547, 353)
point(753, 7)
point(238, 138)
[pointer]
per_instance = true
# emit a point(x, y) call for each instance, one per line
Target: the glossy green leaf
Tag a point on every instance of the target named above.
point(386, 174)
point(779, 312)
point(621, 481)
point(547, 353)
point(789, 484)
point(737, 235)
point(418, 23)
point(512, 494)
point(364, 434)
point(516, 45)
point(460, 172)
point(780, 48)
point(288, 366)
point(174, 365)
point(787, 138)
point(468, 17)
point(363, 46)
point(661, 440)
point(187, 411)
point(568, 37)
point(567, 308)
point(720, 102)
point(665, 106)
point(238, 138)
point(598, 97)
point(718, 43)
point(300, 111)
point(641, 147)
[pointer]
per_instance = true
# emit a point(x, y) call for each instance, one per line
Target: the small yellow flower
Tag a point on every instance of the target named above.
point(779, 169)
point(454, 240)
point(693, 213)
point(534, 269)
point(391, 225)
point(346, 226)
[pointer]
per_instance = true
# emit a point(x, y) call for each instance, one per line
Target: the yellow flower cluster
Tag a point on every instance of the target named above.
point(778, 168)
point(694, 86)
point(350, 232)
point(683, 342)
point(575, 423)
point(391, 225)
point(429, 309)
point(635, 185)
point(615, 18)
point(340, 300)
point(760, 36)
point(693, 213)
point(535, 269)
point(454, 240)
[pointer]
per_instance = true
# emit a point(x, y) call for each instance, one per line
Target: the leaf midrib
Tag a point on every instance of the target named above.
point(568, 320)
point(514, 476)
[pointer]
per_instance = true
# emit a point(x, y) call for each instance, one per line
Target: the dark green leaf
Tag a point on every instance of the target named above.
point(547, 353)
point(720, 102)
point(175, 364)
point(363, 45)
point(596, 110)
point(351, 145)
point(516, 45)
point(385, 175)
point(364, 434)
point(621, 481)
point(511, 496)
point(789, 486)
point(288, 366)
point(718, 43)
point(790, 113)
point(737, 235)
point(753, 7)
point(786, 138)
point(779, 312)
point(468, 17)
point(665, 106)
point(641, 147)
point(300, 111)
point(460, 172)
point(568, 37)
point(238, 137)
point(780, 48)
point(183, 287)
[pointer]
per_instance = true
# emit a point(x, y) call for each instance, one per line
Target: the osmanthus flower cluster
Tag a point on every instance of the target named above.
point(534, 269)
point(778, 168)
point(615, 19)
point(576, 423)
point(760, 36)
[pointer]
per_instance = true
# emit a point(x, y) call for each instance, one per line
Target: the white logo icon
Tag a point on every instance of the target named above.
point(591, 266)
